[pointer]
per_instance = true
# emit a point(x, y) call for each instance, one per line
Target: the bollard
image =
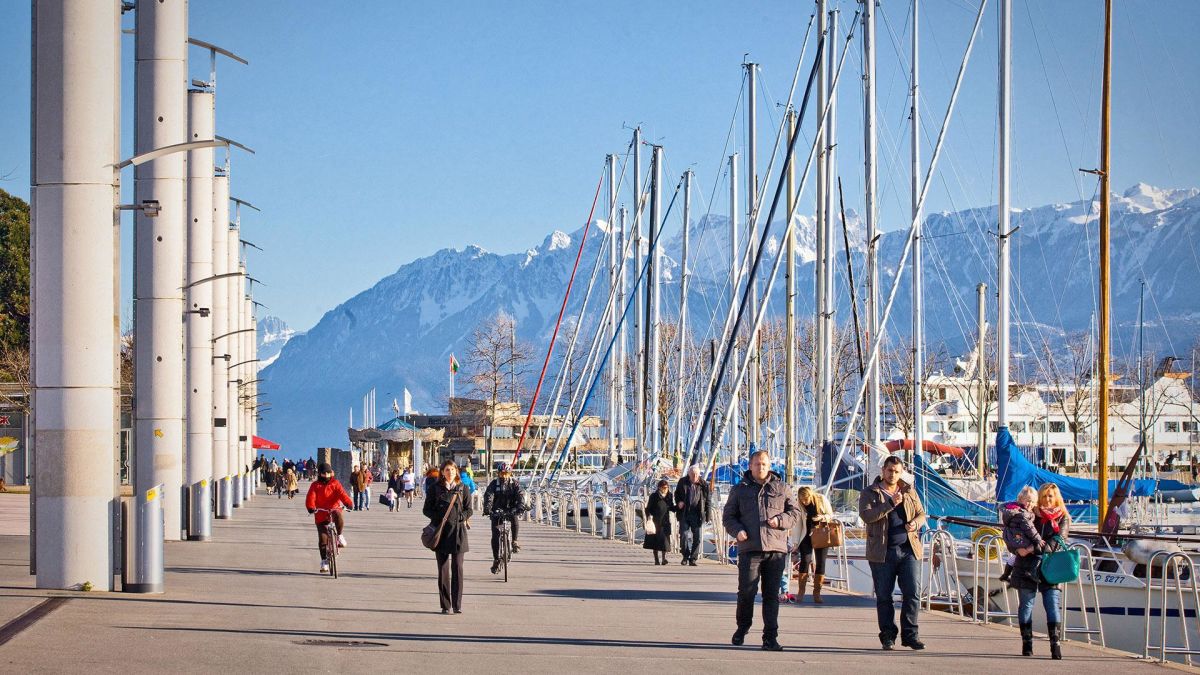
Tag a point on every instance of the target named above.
point(143, 571)
point(199, 511)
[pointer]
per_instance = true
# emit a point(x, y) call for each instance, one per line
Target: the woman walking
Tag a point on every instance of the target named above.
point(1051, 526)
point(658, 511)
point(817, 510)
point(292, 484)
point(448, 501)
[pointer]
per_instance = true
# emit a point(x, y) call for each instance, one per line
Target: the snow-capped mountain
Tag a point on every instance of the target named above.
point(273, 334)
point(401, 332)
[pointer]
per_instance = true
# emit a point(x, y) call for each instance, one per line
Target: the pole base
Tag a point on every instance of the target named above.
point(199, 537)
point(142, 588)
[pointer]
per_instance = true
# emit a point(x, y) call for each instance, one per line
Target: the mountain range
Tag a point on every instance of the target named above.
point(401, 332)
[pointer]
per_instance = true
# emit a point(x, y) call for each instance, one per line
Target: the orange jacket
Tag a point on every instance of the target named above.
point(329, 495)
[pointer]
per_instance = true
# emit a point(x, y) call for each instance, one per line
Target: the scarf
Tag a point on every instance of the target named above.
point(1051, 515)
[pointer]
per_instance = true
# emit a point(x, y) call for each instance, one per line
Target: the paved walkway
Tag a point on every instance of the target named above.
point(252, 599)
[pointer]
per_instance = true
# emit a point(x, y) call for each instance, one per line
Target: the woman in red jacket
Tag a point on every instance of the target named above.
point(327, 493)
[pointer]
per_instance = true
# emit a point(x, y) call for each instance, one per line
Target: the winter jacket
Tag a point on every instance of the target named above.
point(467, 480)
point(691, 502)
point(1027, 570)
point(329, 495)
point(874, 505)
point(503, 496)
point(1019, 531)
point(437, 503)
point(751, 505)
point(658, 509)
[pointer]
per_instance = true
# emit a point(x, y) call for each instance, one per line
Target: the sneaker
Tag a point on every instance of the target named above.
point(341, 541)
point(516, 548)
point(738, 638)
point(495, 568)
point(324, 567)
point(692, 563)
point(913, 644)
point(887, 645)
point(771, 645)
point(784, 599)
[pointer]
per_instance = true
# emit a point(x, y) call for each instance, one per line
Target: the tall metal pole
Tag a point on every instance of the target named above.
point(74, 325)
point(622, 340)
point(820, 373)
point(735, 277)
point(222, 345)
point(655, 357)
point(981, 374)
point(828, 247)
point(752, 239)
point(159, 244)
point(918, 329)
point(613, 401)
point(1105, 279)
point(683, 317)
point(198, 473)
point(874, 401)
point(1003, 217)
point(789, 354)
point(639, 320)
point(234, 306)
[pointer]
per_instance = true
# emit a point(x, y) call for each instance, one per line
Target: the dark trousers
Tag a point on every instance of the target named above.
point(689, 540)
point(755, 569)
point(814, 557)
point(450, 579)
point(903, 567)
point(338, 521)
point(496, 534)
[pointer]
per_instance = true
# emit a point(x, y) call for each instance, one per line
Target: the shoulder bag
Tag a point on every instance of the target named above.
point(431, 536)
point(1061, 566)
point(826, 535)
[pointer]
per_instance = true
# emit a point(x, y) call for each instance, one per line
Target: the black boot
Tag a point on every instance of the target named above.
point(1026, 639)
point(1055, 650)
point(656, 558)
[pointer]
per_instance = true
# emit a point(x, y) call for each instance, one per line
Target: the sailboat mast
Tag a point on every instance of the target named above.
point(622, 342)
point(734, 278)
point(1004, 221)
point(652, 297)
point(789, 353)
point(1105, 280)
point(613, 401)
point(981, 371)
point(821, 373)
point(682, 330)
point(752, 241)
point(918, 328)
point(871, 183)
point(639, 371)
point(828, 247)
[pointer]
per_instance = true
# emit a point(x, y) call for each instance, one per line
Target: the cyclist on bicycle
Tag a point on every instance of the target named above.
point(327, 493)
point(503, 500)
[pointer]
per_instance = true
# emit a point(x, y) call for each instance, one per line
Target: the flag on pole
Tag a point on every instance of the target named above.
point(396, 405)
point(453, 364)
point(408, 409)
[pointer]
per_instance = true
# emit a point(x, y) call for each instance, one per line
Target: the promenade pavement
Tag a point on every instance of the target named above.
point(252, 600)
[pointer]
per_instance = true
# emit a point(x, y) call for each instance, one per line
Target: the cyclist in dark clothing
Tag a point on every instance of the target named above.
point(503, 500)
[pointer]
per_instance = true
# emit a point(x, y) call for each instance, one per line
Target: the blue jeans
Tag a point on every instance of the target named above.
point(903, 567)
point(1049, 602)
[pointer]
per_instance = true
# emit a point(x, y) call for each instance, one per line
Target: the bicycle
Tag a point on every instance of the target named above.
point(331, 542)
point(505, 541)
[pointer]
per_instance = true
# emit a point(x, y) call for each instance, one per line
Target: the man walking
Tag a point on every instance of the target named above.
point(759, 513)
point(894, 517)
point(691, 500)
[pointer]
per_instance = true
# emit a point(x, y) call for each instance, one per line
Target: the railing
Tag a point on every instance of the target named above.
point(1173, 565)
point(1085, 555)
point(940, 581)
point(981, 580)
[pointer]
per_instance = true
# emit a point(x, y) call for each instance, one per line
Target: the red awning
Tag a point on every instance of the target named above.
point(260, 443)
point(927, 446)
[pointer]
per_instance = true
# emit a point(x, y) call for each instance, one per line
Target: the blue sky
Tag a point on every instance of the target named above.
point(385, 131)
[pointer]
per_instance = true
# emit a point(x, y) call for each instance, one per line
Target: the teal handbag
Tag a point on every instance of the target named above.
point(1061, 566)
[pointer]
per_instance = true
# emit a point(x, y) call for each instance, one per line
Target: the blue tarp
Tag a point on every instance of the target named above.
point(732, 473)
point(941, 499)
point(1014, 471)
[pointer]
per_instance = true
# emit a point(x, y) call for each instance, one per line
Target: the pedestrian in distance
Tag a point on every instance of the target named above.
point(691, 510)
point(759, 513)
point(449, 501)
point(503, 500)
point(894, 516)
point(354, 488)
point(409, 484)
point(393, 491)
point(1051, 527)
point(659, 507)
point(327, 493)
point(816, 510)
point(290, 480)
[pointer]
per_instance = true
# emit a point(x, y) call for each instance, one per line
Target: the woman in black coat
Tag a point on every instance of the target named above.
point(658, 509)
point(449, 499)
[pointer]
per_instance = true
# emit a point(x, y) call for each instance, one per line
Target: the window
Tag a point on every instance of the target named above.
point(1038, 428)
point(957, 427)
point(933, 427)
point(1058, 427)
point(1171, 427)
point(1189, 427)
point(973, 426)
point(941, 393)
point(1016, 427)
point(992, 427)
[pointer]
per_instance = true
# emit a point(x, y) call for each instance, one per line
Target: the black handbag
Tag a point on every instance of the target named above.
point(431, 536)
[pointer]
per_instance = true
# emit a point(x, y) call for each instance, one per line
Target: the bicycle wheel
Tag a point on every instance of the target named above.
point(505, 553)
point(333, 551)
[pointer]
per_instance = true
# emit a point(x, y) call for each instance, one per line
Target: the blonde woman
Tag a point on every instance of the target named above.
point(816, 509)
point(1051, 522)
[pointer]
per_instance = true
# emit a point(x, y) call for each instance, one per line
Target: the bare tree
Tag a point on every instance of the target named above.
point(14, 370)
point(1066, 373)
point(498, 363)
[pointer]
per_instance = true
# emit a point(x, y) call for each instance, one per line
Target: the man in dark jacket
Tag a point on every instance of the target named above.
point(691, 500)
point(759, 513)
point(503, 500)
